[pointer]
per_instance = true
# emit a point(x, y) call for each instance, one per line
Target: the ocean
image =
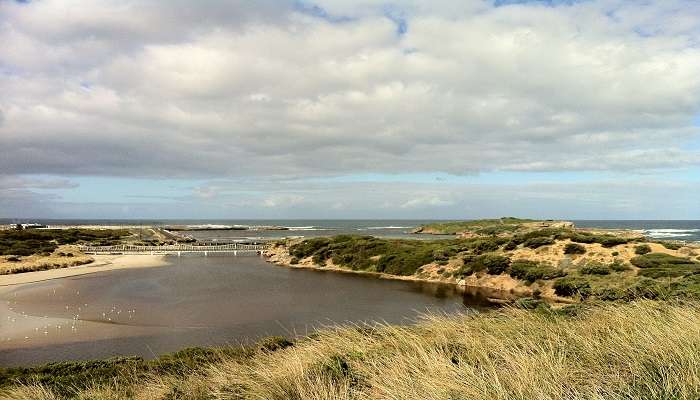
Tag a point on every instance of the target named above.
point(657, 229)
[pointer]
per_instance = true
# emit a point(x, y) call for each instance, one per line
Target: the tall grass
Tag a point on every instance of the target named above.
point(643, 350)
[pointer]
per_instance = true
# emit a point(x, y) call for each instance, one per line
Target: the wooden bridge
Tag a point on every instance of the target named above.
point(179, 249)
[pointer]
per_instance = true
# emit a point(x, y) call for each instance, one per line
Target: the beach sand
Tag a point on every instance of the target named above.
point(102, 263)
point(22, 330)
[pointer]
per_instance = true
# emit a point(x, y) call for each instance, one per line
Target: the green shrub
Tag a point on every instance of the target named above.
point(13, 259)
point(391, 256)
point(537, 242)
point(667, 272)
point(613, 241)
point(574, 248)
point(491, 263)
point(481, 246)
point(581, 238)
point(657, 260)
point(274, 343)
point(588, 238)
point(495, 265)
point(294, 260)
point(642, 249)
point(615, 253)
point(529, 303)
point(511, 245)
point(595, 269)
point(470, 266)
point(688, 286)
point(45, 241)
point(670, 245)
point(619, 267)
point(646, 289)
point(530, 271)
point(571, 286)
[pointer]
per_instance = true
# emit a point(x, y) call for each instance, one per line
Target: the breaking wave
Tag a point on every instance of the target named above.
point(666, 233)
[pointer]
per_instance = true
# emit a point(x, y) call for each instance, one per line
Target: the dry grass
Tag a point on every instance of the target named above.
point(37, 262)
point(644, 350)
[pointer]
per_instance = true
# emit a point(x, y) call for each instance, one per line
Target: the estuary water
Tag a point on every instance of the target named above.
point(200, 301)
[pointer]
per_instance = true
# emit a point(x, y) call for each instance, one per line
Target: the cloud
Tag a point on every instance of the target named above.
point(426, 202)
point(19, 182)
point(289, 200)
point(648, 198)
point(225, 89)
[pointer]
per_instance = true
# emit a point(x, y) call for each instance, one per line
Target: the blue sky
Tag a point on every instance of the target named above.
point(363, 109)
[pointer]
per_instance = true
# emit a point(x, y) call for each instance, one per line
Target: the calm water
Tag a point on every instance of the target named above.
point(669, 229)
point(199, 301)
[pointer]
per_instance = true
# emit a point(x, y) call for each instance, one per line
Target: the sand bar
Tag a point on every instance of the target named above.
point(102, 263)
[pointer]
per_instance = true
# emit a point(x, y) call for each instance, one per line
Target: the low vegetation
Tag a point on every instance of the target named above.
point(594, 265)
point(479, 226)
point(44, 241)
point(574, 248)
point(644, 350)
point(367, 253)
point(659, 265)
point(642, 249)
point(69, 379)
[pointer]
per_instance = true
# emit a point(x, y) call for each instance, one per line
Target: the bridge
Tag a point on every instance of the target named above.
point(178, 249)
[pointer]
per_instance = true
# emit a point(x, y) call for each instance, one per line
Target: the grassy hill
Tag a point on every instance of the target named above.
point(645, 350)
point(553, 263)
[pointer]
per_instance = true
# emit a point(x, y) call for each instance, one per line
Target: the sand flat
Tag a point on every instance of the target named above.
point(102, 263)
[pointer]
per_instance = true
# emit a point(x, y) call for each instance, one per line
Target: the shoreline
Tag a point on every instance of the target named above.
point(279, 256)
point(101, 263)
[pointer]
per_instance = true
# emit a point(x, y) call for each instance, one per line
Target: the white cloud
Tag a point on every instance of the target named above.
point(288, 200)
point(427, 202)
point(229, 89)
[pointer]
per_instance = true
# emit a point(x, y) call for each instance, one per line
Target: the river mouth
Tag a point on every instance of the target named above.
point(202, 301)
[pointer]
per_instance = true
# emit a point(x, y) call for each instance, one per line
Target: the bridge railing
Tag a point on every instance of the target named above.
point(174, 248)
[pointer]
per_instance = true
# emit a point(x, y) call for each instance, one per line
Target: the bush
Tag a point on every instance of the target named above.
point(642, 249)
point(511, 245)
point(659, 260)
point(481, 246)
point(574, 248)
point(495, 265)
point(491, 263)
point(673, 272)
point(530, 271)
point(613, 241)
point(529, 303)
point(646, 289)
point(45, 241)
point(595, 269)
point(13, 259)
point(619, 267)
point(569, 287)
point(537, 242)
point(274, 343)
point(588, 238)
point(670, 245)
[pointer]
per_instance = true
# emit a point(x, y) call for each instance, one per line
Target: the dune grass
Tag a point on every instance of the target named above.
point(641, 350)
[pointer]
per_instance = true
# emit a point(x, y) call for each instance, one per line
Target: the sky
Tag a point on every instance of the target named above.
point(350, 109)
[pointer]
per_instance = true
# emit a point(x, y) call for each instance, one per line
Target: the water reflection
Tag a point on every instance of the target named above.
point(201, 301)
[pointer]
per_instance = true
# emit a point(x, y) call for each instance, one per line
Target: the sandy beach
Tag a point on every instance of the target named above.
point(102, 263)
